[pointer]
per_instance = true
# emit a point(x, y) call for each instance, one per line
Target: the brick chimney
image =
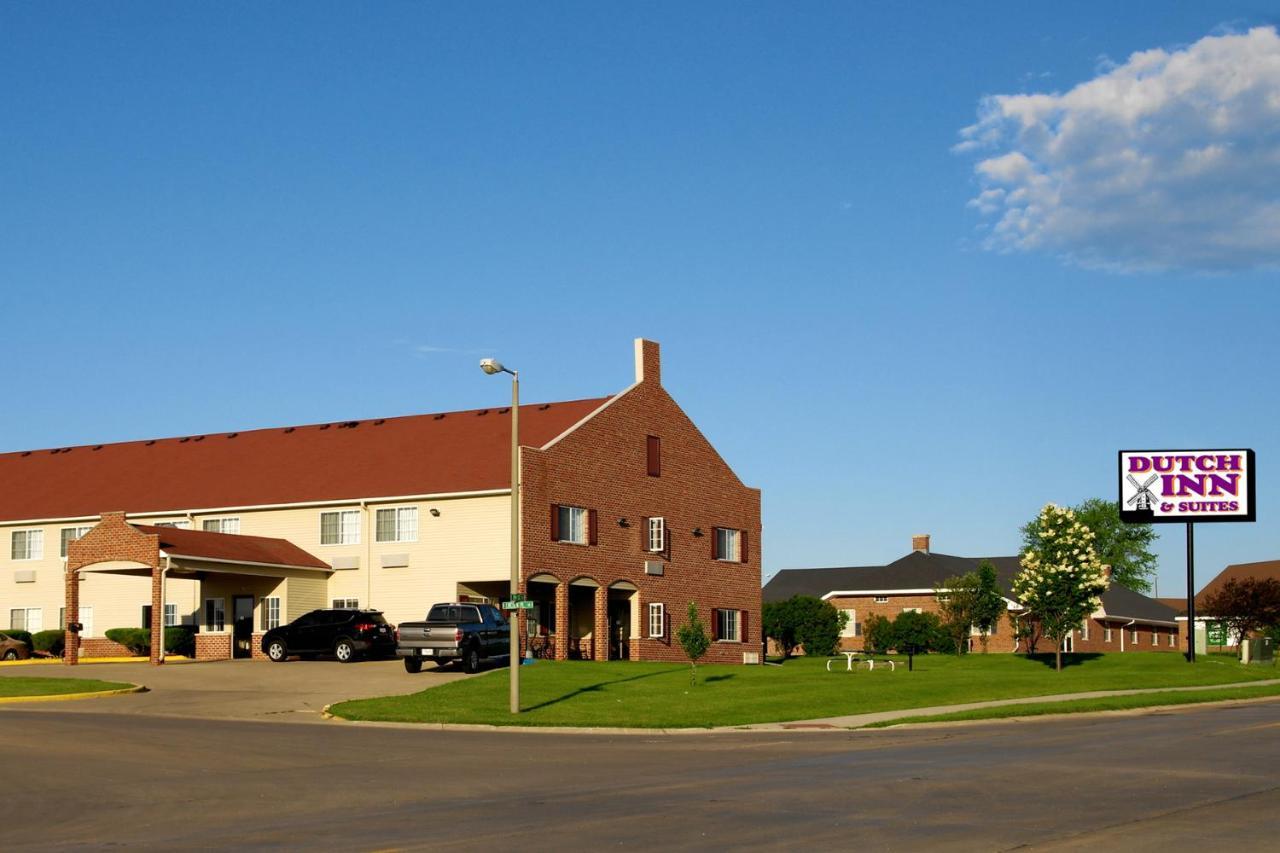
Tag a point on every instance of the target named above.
point(648, 362)
point(920, 542)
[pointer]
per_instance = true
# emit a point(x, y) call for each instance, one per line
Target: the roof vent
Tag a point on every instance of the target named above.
point(26, 453)
point(482, 412)
point(380, 422)
point(184, 440)
point(544, 407)
point(97, 447)
point(325, 426)
point(350, 424)
point(198, 438)
point(504, 411)
point(150, 442)
point(289, 429)
point(439, 417)
point(232, 434)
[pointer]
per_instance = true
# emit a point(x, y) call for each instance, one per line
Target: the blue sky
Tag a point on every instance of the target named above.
point(226, 216)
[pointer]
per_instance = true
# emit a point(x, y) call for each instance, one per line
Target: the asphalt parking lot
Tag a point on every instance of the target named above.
point(243, 689)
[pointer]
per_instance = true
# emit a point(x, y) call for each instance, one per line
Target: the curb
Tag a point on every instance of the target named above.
point(68, 697)
point(89, 661)
point(1114, 712)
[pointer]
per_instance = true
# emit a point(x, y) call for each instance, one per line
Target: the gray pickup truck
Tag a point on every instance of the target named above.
point(467, 632)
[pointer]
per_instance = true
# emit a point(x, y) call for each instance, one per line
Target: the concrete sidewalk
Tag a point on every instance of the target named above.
point(854, 721)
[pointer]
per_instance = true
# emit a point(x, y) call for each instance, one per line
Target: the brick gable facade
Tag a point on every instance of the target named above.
point(603, 466)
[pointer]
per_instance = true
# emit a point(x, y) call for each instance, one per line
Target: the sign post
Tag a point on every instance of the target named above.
point(1187, 486)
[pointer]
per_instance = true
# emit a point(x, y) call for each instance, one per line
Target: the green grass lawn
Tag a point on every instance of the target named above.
point(655, 695)
point(17, 686)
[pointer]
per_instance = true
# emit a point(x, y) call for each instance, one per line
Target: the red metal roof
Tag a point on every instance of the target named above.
point(233, 547)
point(413, 455)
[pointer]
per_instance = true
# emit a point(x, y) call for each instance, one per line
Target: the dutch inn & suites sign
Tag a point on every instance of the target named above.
point(1184, 486)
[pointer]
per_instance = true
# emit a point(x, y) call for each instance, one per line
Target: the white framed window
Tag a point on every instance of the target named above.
point(346, 604)
point(851, 626)
point(728, 544)
point(341, 527)
point(572, 524)
point(657, 620)
point(1084, 630)
point(397, 524)
point(912, 610)
point(184, 524)
point(170, 615)
point(221, 525)
point(71, 534)
point(1173, 639)
point(215, 614)
point(270, 613)
point(727, 626)
point(27, 544)
point(881, 599)
point(1134, 637)
point(657, 538)
point(1155, 636)
point(26, 619)
point(1106, 634)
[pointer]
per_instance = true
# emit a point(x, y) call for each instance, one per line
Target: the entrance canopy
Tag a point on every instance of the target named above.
point(189, 552)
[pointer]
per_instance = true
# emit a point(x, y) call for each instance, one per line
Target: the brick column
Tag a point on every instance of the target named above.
point(157, 615)
point(600, 633)
point(562, 621)
point(71, 641)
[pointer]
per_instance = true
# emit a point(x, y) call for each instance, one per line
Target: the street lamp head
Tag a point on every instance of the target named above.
point(491, 366)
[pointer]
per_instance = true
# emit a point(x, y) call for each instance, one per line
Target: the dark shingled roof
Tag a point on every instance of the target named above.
point(917, 570)
point(921, 570)
point(1120, 602)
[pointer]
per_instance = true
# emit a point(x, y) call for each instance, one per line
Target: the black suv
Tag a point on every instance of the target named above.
point(347, 634)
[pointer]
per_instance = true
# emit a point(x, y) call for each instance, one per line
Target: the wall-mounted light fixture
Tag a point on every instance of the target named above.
point(435, 512)
point(697, 531)
point(622, 522)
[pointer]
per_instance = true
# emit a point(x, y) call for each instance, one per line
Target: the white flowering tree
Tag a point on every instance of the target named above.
point(1062, 578)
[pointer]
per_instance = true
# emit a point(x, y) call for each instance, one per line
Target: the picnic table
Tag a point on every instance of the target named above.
point(851, 658)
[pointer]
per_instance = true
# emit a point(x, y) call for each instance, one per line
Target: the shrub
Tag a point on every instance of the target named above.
point(50, 642)
point(136, 640)
point(914, 633)
point(14, 633)
point(804, 620)
point(179, 640)
point(877, 633)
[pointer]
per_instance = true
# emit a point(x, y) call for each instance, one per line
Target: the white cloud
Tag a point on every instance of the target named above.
point(1168, 160)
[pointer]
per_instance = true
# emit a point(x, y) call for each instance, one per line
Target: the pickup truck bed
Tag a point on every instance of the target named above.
point(454, 631)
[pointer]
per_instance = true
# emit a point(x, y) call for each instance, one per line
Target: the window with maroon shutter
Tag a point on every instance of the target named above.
point(715, 543)
point(742, 627)
point(572, 524)
point(653, 454)
point(555, 522)
point(593, 527)
point(742, 545)
point(715, 625)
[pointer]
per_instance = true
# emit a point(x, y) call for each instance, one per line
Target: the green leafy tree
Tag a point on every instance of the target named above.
point(1126, 548)
point(957, 603)
point(1245, 605)
point(805, 621)
point(694, 639)
point(916, 633)
point(1062, 577)
point(988, 602)
point(877, 633)
point(779, 625)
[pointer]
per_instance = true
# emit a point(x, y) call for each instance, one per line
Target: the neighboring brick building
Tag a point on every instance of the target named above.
point(627, 515)
point(1217, 637)
point(1126, 621)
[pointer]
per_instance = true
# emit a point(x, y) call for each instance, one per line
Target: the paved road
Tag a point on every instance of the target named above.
point(1204, 778)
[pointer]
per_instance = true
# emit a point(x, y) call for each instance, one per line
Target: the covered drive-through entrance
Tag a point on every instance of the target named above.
point(264, 581)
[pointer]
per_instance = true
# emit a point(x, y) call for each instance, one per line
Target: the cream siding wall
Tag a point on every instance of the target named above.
point(468, 542)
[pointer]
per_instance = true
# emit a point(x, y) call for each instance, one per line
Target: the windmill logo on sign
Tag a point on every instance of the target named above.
point(1144, 499)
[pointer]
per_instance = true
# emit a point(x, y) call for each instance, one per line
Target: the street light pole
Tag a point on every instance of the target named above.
point(491, 367)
